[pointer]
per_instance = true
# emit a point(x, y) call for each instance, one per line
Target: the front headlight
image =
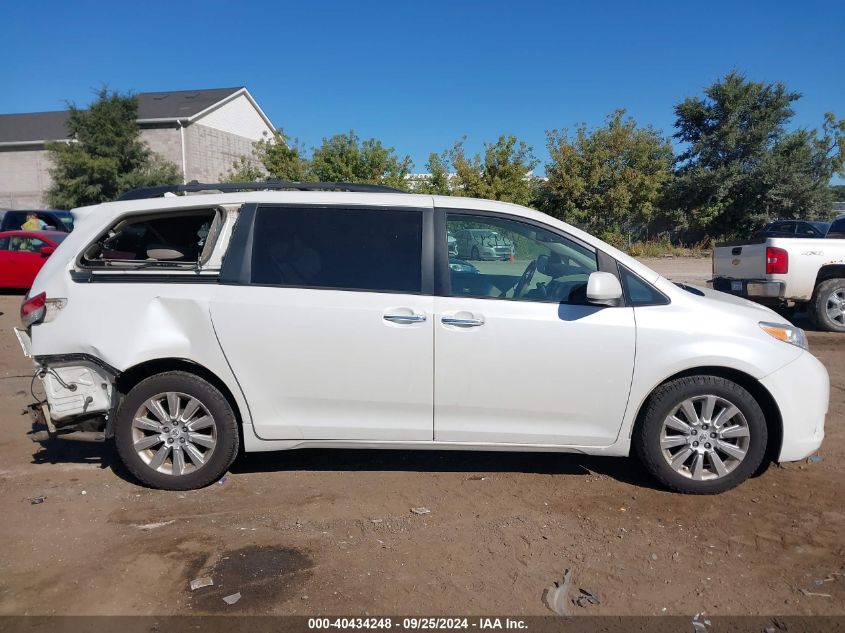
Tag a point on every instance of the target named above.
point(786, 333)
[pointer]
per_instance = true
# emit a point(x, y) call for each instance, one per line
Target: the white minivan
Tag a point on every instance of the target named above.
point(290, 315)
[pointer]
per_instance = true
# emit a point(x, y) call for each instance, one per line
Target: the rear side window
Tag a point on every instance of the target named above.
point(339, 248)
point(837, 229)
point(67, 221)
point(4, 243)
point(164, 239)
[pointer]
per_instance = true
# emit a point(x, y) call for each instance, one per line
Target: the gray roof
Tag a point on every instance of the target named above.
point(179, 103)
point(33, 126)
point(51, 126)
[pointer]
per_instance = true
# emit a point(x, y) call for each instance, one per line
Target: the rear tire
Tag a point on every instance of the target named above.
point(827, 307)
point(176, 431)
point(701, 435)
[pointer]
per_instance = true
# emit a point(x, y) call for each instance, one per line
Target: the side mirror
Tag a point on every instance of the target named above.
point(604, 289)
point(46, 251)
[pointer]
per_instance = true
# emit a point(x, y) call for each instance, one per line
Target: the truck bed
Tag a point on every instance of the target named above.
point(740, 267)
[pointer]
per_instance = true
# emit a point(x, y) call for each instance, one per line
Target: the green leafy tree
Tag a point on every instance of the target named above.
point(245, 169)
point(837, 192)
point(437, 182)
point(283, 157)
point(345, 158)
point(607, 180)
point(501, 172)
point(105, 155)
point(279, 157)
point(741, 167)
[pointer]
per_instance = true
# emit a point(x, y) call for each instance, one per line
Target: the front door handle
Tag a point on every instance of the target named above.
point(461, 322)
point(404, 318)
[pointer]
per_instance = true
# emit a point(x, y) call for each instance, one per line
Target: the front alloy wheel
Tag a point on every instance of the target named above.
point(701, 434)
point(705, 437)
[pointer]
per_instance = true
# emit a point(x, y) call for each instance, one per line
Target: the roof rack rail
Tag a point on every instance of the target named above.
point(267, 185)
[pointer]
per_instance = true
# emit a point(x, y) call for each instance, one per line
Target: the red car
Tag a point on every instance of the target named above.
point(23, 253)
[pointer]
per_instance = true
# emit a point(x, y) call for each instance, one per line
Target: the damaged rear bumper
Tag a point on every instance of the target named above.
point(79, 388)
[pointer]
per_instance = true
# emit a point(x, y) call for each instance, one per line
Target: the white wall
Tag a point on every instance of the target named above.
point(238, 117)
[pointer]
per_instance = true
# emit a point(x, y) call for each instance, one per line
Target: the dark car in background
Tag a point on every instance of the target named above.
point(793, 228)
point(837, 229)
point(54, 219)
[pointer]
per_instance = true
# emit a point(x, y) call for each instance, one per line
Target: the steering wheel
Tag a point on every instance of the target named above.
point(525, 280)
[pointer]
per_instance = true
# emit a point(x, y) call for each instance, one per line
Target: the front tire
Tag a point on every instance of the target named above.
point(701, 435)
point(827, 307)
point(176, 431)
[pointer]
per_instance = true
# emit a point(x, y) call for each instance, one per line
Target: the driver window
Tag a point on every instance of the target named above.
point(499, 258)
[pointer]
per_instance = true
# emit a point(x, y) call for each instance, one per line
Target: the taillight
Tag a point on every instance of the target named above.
point(777, 261)
point(33, 309)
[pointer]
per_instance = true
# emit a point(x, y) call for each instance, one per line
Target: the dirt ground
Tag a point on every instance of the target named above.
point(331, 532)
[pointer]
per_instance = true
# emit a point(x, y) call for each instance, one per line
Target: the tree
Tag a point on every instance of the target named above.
point(245, 169)
point(105, 155)
point(741, 167)
point(504, 172)
point(837, 192)
point(279, 157)
point(437, 182)
point(283, 157)
point(609, 179)
point(344, 158)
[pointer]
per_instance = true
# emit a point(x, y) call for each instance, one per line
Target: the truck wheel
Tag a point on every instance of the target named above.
point(827, 308)
point(176, 431)
point(701, 435)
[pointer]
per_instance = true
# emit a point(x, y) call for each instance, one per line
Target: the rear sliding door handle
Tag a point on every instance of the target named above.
point(404, 318)
point(461, 322)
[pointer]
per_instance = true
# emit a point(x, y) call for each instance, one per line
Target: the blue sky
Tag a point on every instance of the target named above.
point(419, 75)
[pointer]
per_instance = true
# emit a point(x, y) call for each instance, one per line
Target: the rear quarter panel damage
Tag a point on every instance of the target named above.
point(139, 323)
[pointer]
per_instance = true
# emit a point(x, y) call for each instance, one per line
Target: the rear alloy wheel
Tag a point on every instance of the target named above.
point(176, 431)
point(173, 433)
point(702, 434)
point(827, 308)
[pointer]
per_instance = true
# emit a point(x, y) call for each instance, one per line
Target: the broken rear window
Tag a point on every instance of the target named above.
point(164, 239)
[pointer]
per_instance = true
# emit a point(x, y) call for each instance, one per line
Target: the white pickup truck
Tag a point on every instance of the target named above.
point(788, 273)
